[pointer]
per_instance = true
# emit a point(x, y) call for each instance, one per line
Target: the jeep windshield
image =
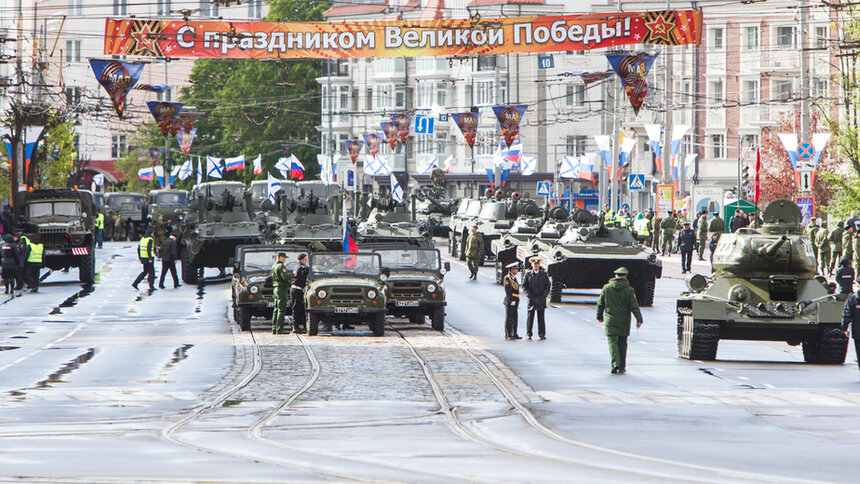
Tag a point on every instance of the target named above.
point(345, 263)
point(493, 211)
point(263, 260)
point(54, 209)
point(176, 198)
point(117, 201)
point(421, 259)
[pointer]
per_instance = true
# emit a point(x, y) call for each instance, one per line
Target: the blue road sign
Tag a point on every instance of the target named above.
point(636, 182)
point(805, 151)
point(424, 124)
point(544, 188)
point(546, 62)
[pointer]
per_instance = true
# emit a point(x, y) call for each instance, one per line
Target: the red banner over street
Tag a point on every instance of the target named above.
point(398, 38)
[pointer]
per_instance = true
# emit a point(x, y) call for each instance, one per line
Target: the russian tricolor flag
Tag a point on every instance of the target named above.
point(349, 244)
point(146, 174)
point(297, 169)
point(236, 163)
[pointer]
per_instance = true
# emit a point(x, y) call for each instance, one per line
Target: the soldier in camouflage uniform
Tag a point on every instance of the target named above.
point(836, 245)
point(822, 242)
point(811, 232)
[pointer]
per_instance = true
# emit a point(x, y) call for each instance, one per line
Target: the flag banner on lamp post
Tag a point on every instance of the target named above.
point(390, 132)
point(164, 114)
point(372, 143)
point(633, 69)
point(509, 121)
point(116, 77)
point(468, 124)
point(353, 149)
point(402, 122)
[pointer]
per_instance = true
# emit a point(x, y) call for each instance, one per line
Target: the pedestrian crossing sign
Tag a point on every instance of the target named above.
point(636, 182)
point(544, 188)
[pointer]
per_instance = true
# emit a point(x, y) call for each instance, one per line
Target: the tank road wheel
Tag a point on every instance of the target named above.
point(87, 269)
point(500, 272)
point(697, 340)
point(437, 318)
point(452, 246)
point(377, 324)
point(313, 324)
point(189, 271)
point(830, 348)
point(555, 290)
point(645, 293)
point(244, 318)
point(461, 251)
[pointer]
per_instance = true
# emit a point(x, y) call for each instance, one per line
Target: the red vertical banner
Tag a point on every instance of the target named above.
point(757, 175)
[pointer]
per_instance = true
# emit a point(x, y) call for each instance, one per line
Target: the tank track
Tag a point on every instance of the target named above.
point(830, 349)
point(697, 339)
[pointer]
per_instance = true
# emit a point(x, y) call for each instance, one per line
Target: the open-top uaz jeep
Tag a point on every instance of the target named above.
point(63, 220)
point(414, 283)
point(253, 293)
point(346, 287)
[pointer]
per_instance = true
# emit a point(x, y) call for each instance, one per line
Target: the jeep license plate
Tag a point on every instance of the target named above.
point(53, 252)
point(346, 310)
point(407, 304)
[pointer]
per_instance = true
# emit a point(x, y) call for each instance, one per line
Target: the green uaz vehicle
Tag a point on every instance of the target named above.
point(414, 283)
point(253, 293)
point(346, 287)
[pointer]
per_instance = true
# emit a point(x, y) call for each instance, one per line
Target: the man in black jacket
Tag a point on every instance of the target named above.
point(168, 253)
point(851, 320)
point(11, 261)
point(536, 284)
point(687, 244)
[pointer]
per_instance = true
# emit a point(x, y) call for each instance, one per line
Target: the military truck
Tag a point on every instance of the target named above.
point(170, 203)
point(764, 288)
point(252, 290)
point(414, 284)
point(461, 223)
point(586, 257)
point(216, 224)
point(63, 220)
point(130, 208)
point(346, 288)
point(526, 228)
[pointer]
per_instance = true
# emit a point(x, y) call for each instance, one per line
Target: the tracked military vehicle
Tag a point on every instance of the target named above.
point(392, 227)
point(433, 211)
point(62, 218)
point(217, 223)
point(130, 208)
point(552, 232)
point(586, 258)
point(496, 217)
point(526, 227)
point(461, 221)
point(764, 288)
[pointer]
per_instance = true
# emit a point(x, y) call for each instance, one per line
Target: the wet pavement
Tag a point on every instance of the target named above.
point(106, 383)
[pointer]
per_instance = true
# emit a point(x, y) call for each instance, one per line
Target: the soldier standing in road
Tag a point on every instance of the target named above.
point(845, 276)
point(512, 301)
point(655, 233)
point(118, 228)
point(474, 251)
point(297, 293)
point(146, 254)
point(617, 300)
point(702, 233)
point(23, 244)
point(34, 263)
point(160, 230)
point(536, 284)
point(99, 223)
point(109, 225)
point(11, 261)
point(280, 283)
point(851, 320)
point(687, 244)
point(717, 225)
point(822, 242)
point(811, 232)
point(168, 253)
point(848, 240)
point(836, 245)
point(668, 228)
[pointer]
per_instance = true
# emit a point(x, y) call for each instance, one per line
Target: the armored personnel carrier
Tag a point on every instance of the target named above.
point(526, 227)
point(461, 221)
point(130, 208)
point(217, 223)
point(587, 255)
point(392, 227)
point(497, 216)
point(552, 232)
point(63, 220)
point(764, 288)
point(168, 202)
point(311, 222)
point(432, 210)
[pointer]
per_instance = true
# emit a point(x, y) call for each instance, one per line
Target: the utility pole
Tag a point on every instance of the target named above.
point(613, 139)
point(667, 102)
point(167, 166)
point(804, 73)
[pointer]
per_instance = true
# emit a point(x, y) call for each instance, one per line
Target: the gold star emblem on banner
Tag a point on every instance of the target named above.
point(145, 38)
point(660, 28)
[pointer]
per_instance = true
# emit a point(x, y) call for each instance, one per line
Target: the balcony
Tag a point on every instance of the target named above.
point(336, 68)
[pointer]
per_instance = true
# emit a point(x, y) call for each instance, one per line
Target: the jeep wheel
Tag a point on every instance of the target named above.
point(377, 324)
point(313, 324)
point(87, 269)
point(830, 349)
point(244, 318)
point(437, 319)
point(189, 270)
point(416, 319)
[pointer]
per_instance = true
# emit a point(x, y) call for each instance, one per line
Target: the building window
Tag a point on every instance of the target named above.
point(718, 146)
point(574, 95)
point(76, 7)
point(750, 40)
point(716, 94)
point(429, 94)
point(120, 7)
point(822, 88)
point(782, 89)
point(785, 37)
point(389, 65)
point(717, 38)
point(73, 96)
point(204, 8)
point(166, 96)
point(389, 97)
point(750, 94)
point(749, 141)
point(821, 37)
point(486, 63)
point(485, 143)
point(336, 68)
point(163, 7)
point(118, 146)
point(73, 51)
point(576, 145)
point(486, 93)
point(255, 8)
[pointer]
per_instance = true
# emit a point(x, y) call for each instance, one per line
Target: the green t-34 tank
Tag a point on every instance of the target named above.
point(764, 288)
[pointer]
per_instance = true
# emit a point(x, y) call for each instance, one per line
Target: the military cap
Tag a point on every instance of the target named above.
point(716, 212)
point(686, 223)
point(512, 265)
point(622, 270)
point(282, 254)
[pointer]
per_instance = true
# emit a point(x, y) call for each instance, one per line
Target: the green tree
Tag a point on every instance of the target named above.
point(253, 107)
point(147, 136)
point(59, 148)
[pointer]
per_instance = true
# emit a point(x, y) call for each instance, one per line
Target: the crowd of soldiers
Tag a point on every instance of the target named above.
point(21, 262)
point(839, 245)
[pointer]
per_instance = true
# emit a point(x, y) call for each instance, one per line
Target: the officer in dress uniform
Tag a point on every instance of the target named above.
point(280, 283)
point(297, 293)
point(512, 301)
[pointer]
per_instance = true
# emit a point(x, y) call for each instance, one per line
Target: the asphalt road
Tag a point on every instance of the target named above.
point(107, 384)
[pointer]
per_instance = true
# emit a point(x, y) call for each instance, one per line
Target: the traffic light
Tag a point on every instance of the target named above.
point(745, 177)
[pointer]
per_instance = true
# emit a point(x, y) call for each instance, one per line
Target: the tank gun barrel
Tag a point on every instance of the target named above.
point(770, 250)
